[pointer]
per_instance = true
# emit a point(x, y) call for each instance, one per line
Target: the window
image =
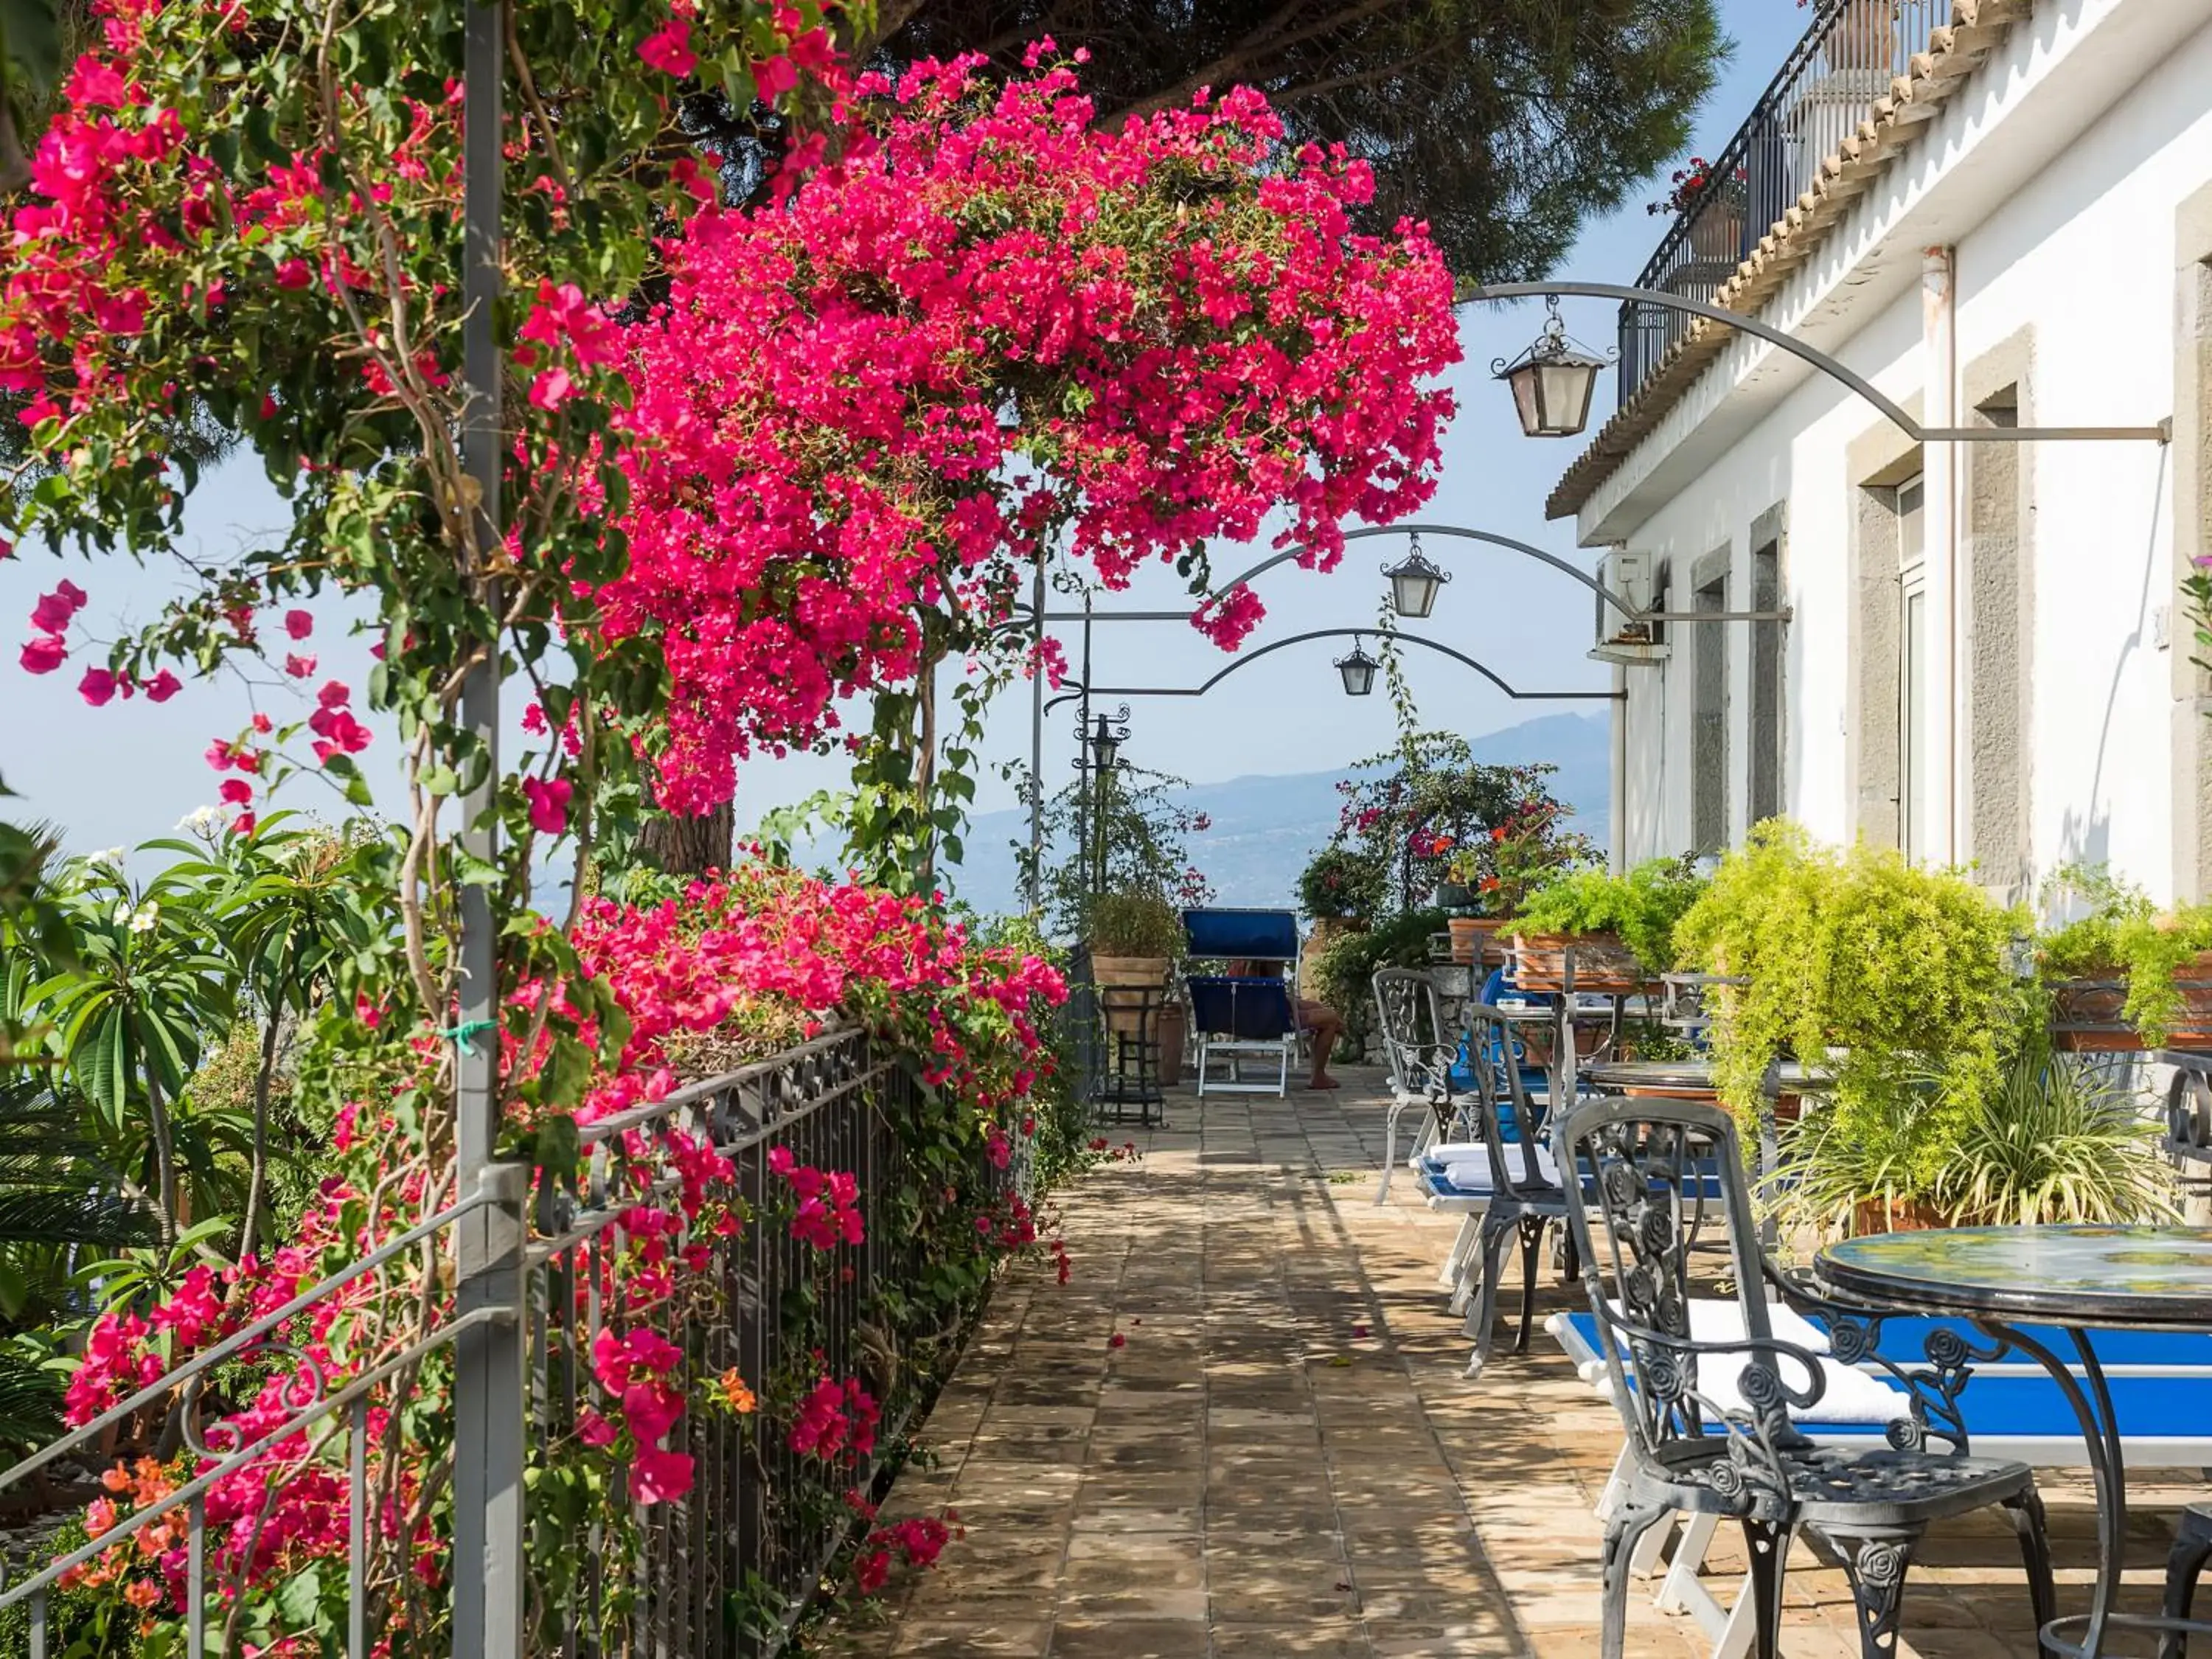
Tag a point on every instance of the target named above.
point(1709, 755)
point(1914, 831)
point(1766, 685)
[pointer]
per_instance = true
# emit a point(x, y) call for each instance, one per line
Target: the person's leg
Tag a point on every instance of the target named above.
point(1327, 1025)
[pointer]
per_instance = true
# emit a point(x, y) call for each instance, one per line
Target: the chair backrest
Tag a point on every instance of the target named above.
point(1239, 1009)
point(1416, 1048)
point(1511, 1122)
point(1667, 1177)
point(1242, 935)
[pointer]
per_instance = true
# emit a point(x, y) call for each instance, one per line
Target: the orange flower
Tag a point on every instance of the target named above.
point(739, 1398)
point(142, 1592)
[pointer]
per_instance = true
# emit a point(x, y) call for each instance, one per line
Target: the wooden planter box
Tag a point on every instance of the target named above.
point(1603, 963)
point(2086, 1014)
point(1474, 941)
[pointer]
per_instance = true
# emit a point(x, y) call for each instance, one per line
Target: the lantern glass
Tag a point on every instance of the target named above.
point(1358, 672)
point(1412, 591)
point(1103, 748)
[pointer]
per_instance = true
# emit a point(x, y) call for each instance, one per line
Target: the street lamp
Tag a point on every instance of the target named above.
point(1358, 670)
point(1413, 584)
point(1551, 381)
point(1106, 740)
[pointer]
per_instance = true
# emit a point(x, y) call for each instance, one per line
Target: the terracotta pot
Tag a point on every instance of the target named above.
point(2095, 1005)
point(1716, 230)
point(1170, 1022)
point(1875, 1215)
point(1603, 963)
point(1474, 939)
point(1128, 970)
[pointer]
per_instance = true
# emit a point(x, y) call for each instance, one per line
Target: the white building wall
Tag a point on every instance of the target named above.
point(2081, 257)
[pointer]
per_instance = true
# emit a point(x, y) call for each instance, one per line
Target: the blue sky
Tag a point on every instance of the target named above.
point(119, 774)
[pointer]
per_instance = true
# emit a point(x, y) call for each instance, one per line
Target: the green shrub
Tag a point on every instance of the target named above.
point(1341, 883)
point(1343, 977)
point(1642, 907)
point(2123, 936)
point(1893, 978)
point(1134, 925)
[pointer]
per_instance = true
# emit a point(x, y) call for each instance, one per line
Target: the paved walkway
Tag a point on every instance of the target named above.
point(1243, 1430)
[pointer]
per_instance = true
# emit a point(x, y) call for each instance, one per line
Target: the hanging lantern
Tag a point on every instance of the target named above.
point(1414, 581)
point(1551, 381)
point(1358, 669)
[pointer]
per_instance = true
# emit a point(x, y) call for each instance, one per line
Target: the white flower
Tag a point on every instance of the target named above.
point(123, 913)
point(143, 919)
point(202, 821)
point(111, 856)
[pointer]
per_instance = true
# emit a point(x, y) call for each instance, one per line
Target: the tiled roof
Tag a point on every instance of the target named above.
point(1893, 126)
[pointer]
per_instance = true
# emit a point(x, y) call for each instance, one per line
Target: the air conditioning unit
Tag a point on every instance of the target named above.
point(1622, 638)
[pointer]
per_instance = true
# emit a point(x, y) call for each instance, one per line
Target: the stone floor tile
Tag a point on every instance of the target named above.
point(1285, 1457)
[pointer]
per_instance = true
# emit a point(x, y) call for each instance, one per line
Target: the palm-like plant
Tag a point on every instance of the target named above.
point(2054, 1143)
point(58, 1200)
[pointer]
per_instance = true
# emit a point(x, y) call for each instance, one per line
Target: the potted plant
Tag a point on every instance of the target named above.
point(2121, 975)
point(1895, 979)
point(1714, 203)
point(1620, 928)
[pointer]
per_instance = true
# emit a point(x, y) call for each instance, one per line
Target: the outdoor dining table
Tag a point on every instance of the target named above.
point(2151, 1278)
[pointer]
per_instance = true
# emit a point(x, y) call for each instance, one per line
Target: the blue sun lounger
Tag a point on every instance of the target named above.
point(1240, 1020)
point(2160, 1383)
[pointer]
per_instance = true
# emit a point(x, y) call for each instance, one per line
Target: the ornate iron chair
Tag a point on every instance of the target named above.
point(1419, 1054)
point(1709, 1421)
point(1527, 1193)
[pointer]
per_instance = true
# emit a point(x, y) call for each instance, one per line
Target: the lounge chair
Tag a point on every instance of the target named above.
point(1239, 1020)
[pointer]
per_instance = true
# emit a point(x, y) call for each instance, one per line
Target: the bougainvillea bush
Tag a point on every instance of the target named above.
point(859, 422)
point(744, 965)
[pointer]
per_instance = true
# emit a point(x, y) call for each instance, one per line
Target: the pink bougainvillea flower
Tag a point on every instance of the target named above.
point(44, 654)
point(243, 824)
point(236, 792)
point(163, 686)
point(657, 1476)
point(97, 686)
point(298, 623)
point(297, 666)
point(668, 48)
point(548, 800)
point(53, 613)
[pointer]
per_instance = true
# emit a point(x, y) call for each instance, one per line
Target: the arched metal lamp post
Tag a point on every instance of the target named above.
point(1552, 383)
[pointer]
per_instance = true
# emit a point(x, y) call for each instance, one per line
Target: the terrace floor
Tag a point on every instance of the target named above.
point(1242, 1429)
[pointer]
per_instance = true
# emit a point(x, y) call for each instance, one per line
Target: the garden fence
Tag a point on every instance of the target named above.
point(725, 1571)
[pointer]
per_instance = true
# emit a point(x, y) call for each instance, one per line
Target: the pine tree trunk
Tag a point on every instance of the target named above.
point(690, 846)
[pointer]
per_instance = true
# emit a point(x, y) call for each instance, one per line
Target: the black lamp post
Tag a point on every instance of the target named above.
point(1551, 381)
point(1413, 583)
point(1101, 743)
point(1358, 669)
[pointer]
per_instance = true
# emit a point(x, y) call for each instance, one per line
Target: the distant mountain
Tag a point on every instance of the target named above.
point(1265, 829)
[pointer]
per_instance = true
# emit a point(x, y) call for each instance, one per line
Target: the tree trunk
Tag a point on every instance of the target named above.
point(690, 846)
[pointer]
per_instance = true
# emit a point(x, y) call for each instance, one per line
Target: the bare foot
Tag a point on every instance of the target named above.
point(1324, 1083)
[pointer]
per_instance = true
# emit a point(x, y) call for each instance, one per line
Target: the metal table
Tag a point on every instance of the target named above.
point(1674, 1079)
point(2117, 1277)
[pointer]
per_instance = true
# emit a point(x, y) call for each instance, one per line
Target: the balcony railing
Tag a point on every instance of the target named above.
point(1829, 84)
point(721, 1573)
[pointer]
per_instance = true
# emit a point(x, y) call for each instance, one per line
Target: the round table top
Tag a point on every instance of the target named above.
point(2157, 1277)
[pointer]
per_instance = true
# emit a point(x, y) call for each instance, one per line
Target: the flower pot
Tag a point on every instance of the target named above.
point(1716, 230)
point(1880, 1215)
point(1171, 1023)
point(2086, 1015)
point(1454, 895)
point(2086, 1018)
point(1603, 963)
point(1474, 939)
point(1107, 971)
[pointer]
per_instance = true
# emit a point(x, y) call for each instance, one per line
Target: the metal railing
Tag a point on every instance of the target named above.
point(1845, 61)
point(726, 1569)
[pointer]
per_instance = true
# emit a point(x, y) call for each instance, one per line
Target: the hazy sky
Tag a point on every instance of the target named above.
point(119, 774)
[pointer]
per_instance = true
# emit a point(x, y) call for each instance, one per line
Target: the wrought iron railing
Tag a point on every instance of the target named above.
point(1845, 61)
point(725, 1571)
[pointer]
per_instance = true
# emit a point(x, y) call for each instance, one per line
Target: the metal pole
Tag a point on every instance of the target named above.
point(1083, 752)
point(488, 1396)
point(1036, 746)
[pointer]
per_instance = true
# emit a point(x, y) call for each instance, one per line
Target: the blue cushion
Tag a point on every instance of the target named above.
point(2012, 1405)
point(1241, 1009)
point(1253, 935)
